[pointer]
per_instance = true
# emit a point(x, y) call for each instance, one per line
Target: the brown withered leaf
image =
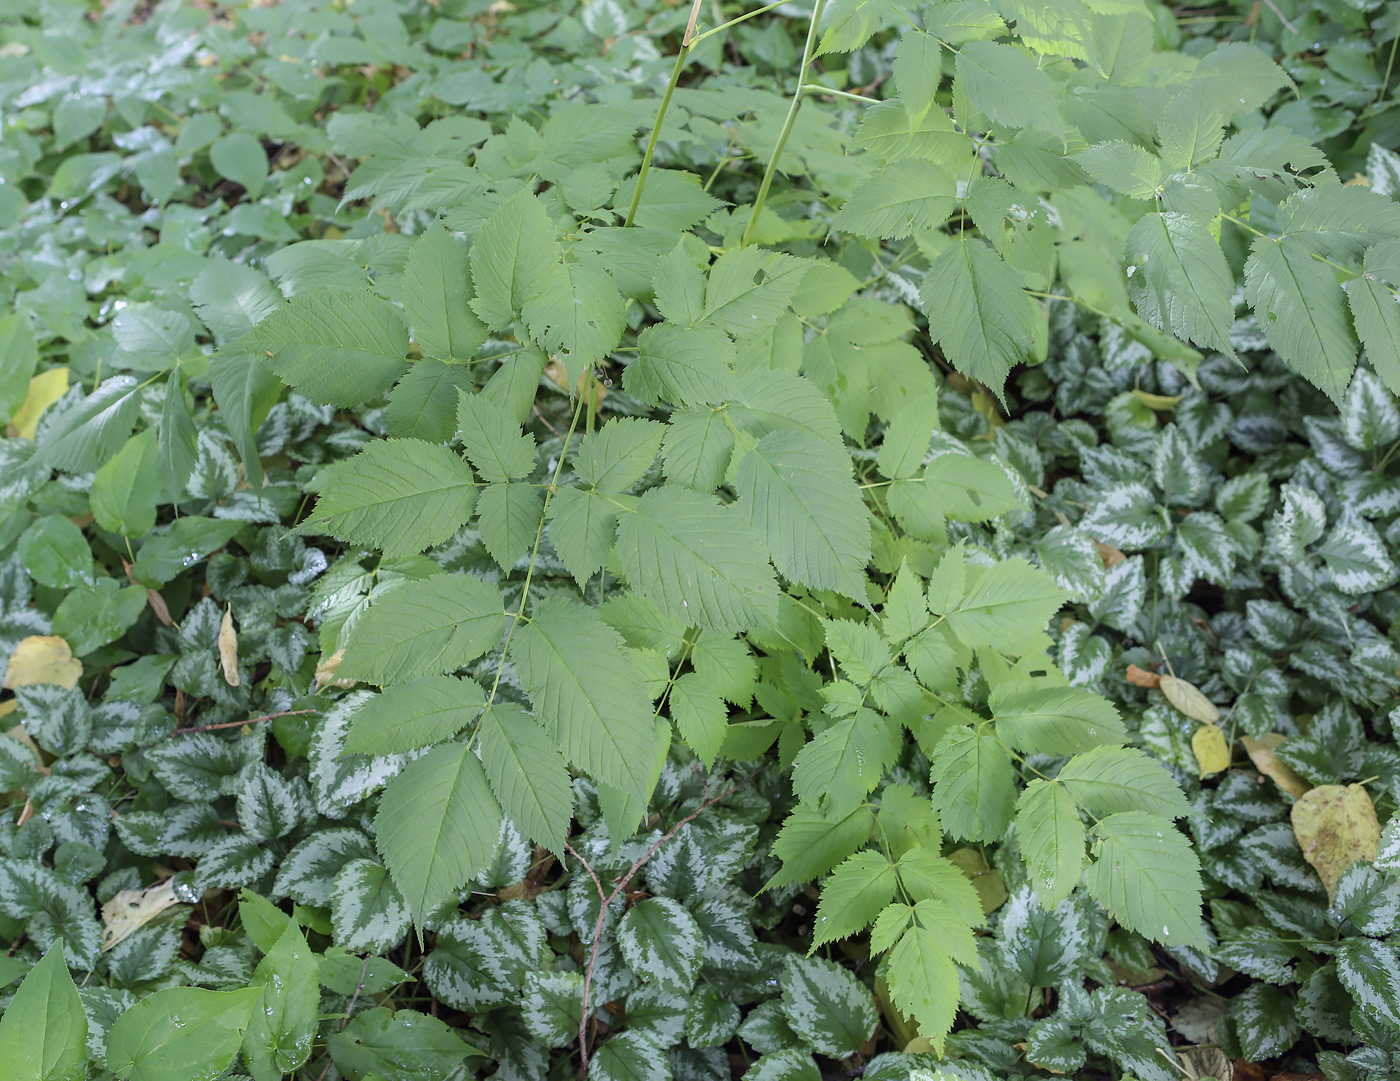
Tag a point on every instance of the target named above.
point(1261, 753)
point(1336, 826)
point(1110, 555)
point(1141, 677)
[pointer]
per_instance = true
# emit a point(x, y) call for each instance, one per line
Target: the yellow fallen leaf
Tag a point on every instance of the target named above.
point(130, 910)
point(1202, 1062)
point(44, 389)
point(42, 658)
point(6, 708)
point(1261, 753)
point(228, 648)
point(1187, 699)
point(1336, 826)
point(1212, 750)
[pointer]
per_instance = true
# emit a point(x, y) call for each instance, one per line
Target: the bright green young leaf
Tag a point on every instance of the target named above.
point(126, 489)
point(928, 878)
point(435, 625)
point(974, 785)
point(43, 1033)
point(401, 495)
point(1006, 606)
point(282, 1028)
point(616, 457)
point(437, 826)
point(1057, 720)
point(1147, 876)
point(849, 24)
point(527, 773)
point(1052, 840)
point(180, 1034)
point(810, 843)
point(1004, 82)
point(853, 896)
point(245, 390)
point(924, 983)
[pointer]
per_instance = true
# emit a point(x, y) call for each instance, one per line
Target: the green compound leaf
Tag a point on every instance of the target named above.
point(434, 289)
point(180, 1034)
point(661, 943)
point(587, 694)
point(974, 785)
point(697, 560)
point(497, 447)
point(1146, 874)
point(1052, 840)
point(1057, 720)
point(615, 458)
point(336, 346)
point(423, 628)
point(796, 490)
point(924, 982)
point(899, 201)
point(1004, 82)
point(527, 773)
point(515, 259)
point(1006, 605)
point(413, 714)
point(400, 495)
point(1111, 780)
point(1179, 281)
point(853, 896)
point(437, 826)
point(1303, 312)
point(44, 1030)
point(749, 289)
point(977, 310)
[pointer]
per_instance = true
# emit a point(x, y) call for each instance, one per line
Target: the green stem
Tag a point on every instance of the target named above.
point(686, 42)
point(815, 88)
point(762, 197)
point(735, 22)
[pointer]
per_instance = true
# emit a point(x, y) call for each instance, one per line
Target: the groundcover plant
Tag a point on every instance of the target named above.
point(654, 542)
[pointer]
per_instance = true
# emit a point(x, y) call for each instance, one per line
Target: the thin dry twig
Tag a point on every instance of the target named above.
point(239, 724)
point(621, 886)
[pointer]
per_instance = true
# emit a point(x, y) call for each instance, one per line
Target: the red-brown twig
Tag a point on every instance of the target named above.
point(622, 884)
point(239, 724)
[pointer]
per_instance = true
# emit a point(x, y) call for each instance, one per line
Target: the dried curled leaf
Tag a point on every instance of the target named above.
point(130, 910)
point(1261, 753)
point(43, 658)
point(228, 648)
point(1212, 750)
point(1109, 555)
point(326, 669)
point(1336, 826)
point(1187, 699)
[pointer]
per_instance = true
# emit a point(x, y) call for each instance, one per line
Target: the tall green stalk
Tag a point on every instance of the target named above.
point(686, 42)
point(797, 97)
